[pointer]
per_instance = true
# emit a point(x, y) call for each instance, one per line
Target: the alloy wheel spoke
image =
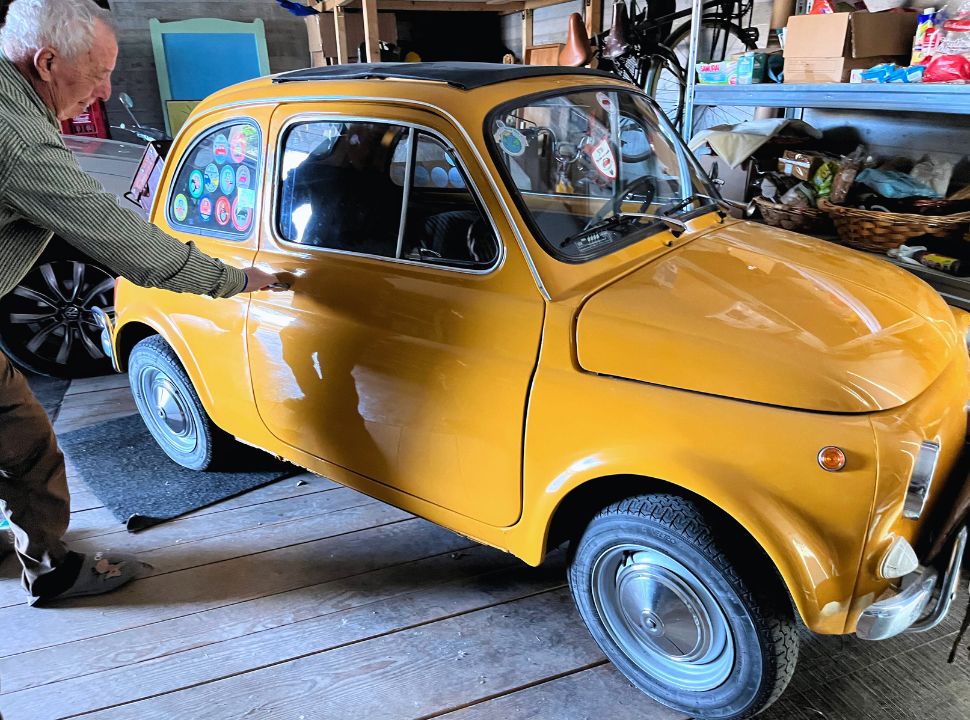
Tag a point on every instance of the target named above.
point(50, 277)
point(25, 318)
point(102, 287)
point(93, 349)
point(41, 337)
point(78, 277)
point(66, 344)
point(31, 294)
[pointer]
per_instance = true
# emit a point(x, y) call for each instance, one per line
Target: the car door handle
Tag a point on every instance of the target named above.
point(278, 287)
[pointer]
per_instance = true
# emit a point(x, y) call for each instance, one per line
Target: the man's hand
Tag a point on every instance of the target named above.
point(257, 280)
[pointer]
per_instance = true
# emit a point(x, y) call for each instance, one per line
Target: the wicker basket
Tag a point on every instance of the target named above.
point(879, 231)
point(789, 217)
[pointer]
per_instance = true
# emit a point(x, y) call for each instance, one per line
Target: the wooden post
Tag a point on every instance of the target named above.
point(594, 17)
point(340, 31)
point(371, 31)
point(526, 33)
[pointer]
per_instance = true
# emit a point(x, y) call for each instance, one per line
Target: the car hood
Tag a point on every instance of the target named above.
point(772, 317)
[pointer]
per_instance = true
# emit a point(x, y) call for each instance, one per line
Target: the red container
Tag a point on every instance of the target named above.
point(93, 123)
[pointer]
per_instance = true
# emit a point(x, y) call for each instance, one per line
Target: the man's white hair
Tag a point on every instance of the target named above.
point(65, 25)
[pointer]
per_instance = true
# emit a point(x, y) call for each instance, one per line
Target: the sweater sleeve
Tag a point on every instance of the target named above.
point(47, 187)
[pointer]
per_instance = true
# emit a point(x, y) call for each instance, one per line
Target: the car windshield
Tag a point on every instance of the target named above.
point(595, 170)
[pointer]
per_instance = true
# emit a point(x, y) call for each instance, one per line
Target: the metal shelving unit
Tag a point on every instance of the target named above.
point(951, 99)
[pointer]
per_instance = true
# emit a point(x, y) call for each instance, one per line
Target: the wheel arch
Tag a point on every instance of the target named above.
point(582, 503)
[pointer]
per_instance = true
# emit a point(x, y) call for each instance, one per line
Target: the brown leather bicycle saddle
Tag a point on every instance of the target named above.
point(618, 38)
point(577, 51)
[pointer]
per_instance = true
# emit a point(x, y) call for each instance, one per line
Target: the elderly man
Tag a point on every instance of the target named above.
point(57, 58)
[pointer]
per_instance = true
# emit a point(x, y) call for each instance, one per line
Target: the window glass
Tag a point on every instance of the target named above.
point(444, 224)
point(215, 191)
point(337, 189)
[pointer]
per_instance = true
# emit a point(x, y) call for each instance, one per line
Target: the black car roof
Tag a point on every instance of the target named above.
point(464, 75)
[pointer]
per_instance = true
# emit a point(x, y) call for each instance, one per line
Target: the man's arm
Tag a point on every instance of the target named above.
point(47, 187)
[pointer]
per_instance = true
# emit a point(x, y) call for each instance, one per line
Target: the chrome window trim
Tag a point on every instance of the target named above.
point(421, 105)
point(921, 480)
point(257, 186)
point(318, 116)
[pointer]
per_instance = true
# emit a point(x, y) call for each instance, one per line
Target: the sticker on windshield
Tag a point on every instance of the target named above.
point(246, 198)
point(211, 178)
point(511, 141)
point(237, 146)
point(195, 183)
point(205, 208)
point(223, 210)
point(604, 160)
point(228, 179)
point(180, 208)
point(243, 177)
point(605, 101)
point(242, 216)
point(220, 148)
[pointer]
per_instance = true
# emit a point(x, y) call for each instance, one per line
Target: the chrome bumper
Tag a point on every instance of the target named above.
point(906, 610)
point(104, 320)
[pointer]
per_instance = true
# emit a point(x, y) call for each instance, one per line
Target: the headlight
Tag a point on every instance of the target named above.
point(899, 560)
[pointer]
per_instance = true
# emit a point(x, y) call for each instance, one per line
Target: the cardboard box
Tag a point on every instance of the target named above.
point(751, 68)
point(724, 72)
point(322, 35)
point(827, 48)
point(799, 165)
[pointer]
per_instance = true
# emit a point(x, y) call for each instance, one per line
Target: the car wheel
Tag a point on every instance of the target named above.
point(46, 321)
point(673, 614)
point(171, 408)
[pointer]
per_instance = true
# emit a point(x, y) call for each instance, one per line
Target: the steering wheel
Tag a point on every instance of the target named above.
point(645, 183)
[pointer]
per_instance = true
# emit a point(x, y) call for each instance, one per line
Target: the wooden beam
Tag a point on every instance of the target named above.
point(503, 8)
point(527, 20)
point(330, 5)
point(536, 4)
point(594, 17)
point(372, 34)
point(340, 32)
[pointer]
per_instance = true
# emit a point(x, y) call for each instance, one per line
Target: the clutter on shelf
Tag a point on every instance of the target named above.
point(838, 43)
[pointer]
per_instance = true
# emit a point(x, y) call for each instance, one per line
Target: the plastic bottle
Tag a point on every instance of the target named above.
point(923, 23)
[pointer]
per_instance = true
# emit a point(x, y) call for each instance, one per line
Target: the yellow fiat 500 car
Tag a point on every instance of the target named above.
point(518, 308)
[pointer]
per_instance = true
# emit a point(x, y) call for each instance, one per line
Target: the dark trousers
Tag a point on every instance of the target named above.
point(33, 483)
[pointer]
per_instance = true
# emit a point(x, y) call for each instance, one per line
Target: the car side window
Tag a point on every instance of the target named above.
point(444, 224)
point(336, 186)
point(215, 190)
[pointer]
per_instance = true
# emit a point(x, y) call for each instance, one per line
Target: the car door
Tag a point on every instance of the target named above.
point(406, 349)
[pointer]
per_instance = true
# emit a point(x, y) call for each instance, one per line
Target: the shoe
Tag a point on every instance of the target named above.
point(100, 573)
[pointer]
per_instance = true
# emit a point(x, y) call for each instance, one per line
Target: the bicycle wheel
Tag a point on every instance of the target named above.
point(719, 39)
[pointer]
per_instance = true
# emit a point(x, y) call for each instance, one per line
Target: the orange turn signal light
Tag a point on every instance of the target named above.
point(831, 458)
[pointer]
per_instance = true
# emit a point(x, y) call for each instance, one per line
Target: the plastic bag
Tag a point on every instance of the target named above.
point(947, 68)
point(935, 173)
point(823, 177)
point(802, 195)
point(894, 184)
point(845, 178)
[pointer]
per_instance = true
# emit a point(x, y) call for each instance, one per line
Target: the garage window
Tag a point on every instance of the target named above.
point(336, 189)
point(215, 190)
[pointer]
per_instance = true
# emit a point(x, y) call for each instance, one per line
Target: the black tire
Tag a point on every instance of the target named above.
point(727, 649)
point(167, 401)
point(46, 323)
point(666, 84)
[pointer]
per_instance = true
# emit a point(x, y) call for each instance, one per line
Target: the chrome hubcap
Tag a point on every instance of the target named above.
point(663, 617)
point(167, 410)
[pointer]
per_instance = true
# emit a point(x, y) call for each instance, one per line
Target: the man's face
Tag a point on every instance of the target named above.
point(75, 83)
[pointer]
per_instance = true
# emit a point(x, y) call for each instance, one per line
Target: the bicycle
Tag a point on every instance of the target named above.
point(651, 53)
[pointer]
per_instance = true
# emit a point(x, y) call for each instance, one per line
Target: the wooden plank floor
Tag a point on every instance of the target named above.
point(306, 600)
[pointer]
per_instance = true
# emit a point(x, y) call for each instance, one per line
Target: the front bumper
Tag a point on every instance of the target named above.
point(106, 323)
point(906, 611)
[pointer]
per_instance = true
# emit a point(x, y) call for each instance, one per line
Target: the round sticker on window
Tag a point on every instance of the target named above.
point(228, 179)
point(439, 176)
point(196, 182)
point(220, 148)
point(242, 215)
point(243, 176)
point(211, 178)
point(180, 208)
point(223, 210)
point(205, 208)
point(455, 178)
point(511, 140)
point(421, 176)
point(603, 159)
point(237, 146)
